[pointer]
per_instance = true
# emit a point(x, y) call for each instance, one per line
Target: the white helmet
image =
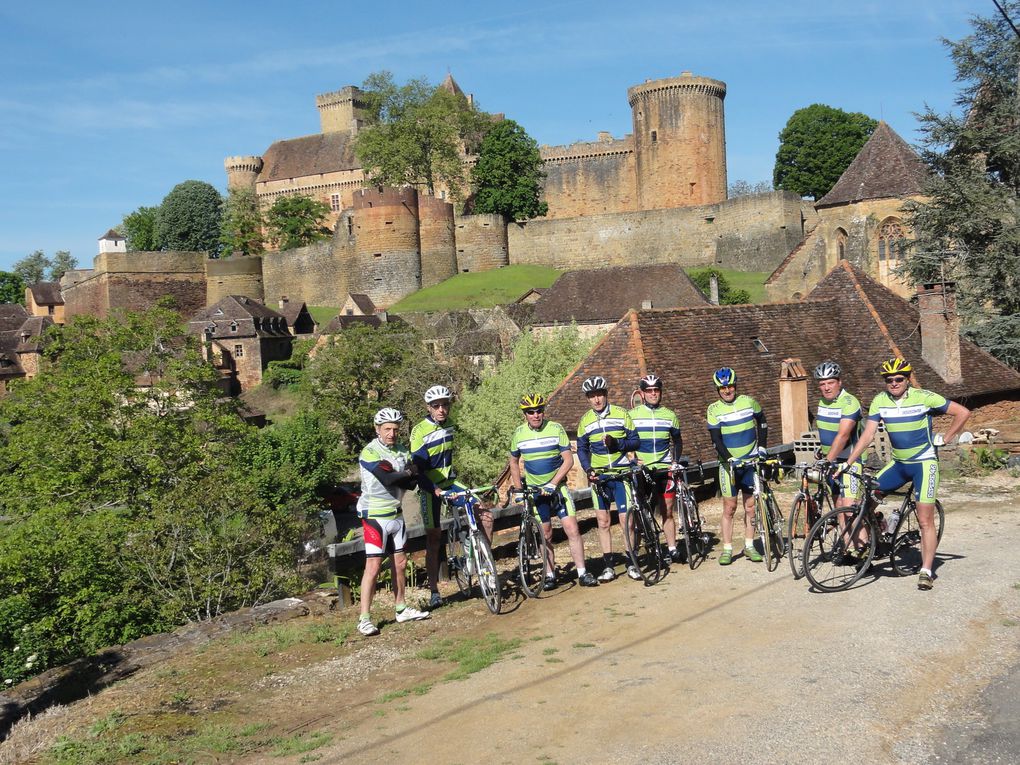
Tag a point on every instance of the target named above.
point(388, 415)
point(594, 383)
point(827, 370)
point(436, 393)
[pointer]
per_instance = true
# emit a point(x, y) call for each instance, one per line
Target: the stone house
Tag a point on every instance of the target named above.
point(241, 336)
point(299, 319)
point(44, 299)
point(20, 343)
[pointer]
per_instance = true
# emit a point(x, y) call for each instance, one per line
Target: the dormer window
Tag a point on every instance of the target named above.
point(233, 326)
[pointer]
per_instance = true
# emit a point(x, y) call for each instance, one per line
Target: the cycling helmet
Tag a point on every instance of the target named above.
point(531, 401)
point(651, 381)
point(896, 366)
point(388, 415)
point(437, 393)
point(724, 376)
point(827, 370)
point(593, 384)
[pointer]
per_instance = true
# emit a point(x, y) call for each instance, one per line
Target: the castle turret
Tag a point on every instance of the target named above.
point(679, 141)
point(242, 171)
point(342, 111)
point(438, 244)
point(482, 242)
point(387, 251)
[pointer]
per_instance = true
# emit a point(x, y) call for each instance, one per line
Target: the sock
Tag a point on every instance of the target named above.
point(748, 543)
point(401, 607)
point(365, 618)
point(607, 558)
point(728, 547)
point(925, 571)
point(581, 572)
point(551, 577)
point(672, 549)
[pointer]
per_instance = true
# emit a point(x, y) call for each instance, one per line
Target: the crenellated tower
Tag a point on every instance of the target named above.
point(342, 111)
point(242, 172)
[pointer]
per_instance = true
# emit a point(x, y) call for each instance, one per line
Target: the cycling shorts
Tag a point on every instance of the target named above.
point(662, 485)
point(849, 484)
point(431, 505)
point(560, 503)
point(924, 474)
point(384, 537)
point(731, 479)
point(614, 490)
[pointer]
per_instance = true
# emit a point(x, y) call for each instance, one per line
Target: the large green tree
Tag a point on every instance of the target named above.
point(508, 175)
point(189, 218)
point(241, 225)
point(969, 229)
point(12, 288)
point(415, 134)
point(297, 220)
point(818, 143)
point(32, 268)
point(139, 227)
point(60, 263)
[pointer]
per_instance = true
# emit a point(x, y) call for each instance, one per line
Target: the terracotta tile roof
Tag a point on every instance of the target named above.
point(605, 294)
point(848, 318)
point(47, 293)
point(884, 167)
point(251, 317)
point(308, 155)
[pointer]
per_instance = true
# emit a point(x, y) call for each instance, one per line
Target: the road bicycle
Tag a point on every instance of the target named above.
point(534, 555)
point(687, 516)
point(470, 554)
point(769, 525)
point(808, 507)
point(843, 543)
point(641, 532)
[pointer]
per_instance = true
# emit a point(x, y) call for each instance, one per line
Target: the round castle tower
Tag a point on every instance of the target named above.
point(242, 171)
point(387, 252)
point(679, 141)
point(438, 244)
point(482, 242)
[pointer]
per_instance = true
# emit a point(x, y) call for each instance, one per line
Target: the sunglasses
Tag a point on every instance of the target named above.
point(895, 380)
point(534, 411)
point(440, 405)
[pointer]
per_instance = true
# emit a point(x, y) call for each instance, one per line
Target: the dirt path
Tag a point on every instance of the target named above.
point(730, 663)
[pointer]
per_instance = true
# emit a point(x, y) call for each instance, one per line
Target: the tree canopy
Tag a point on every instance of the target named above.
point(189, 218)
point(969, 229)
point(415, 134)
point(508, 175)
point(12, 288)
point(241, 225)
point(36, 267)
point(818, 143)
point(139, 228)
point(296, 220)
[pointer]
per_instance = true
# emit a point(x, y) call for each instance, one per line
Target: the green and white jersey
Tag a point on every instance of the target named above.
point(593, 427)
point(908, 422)
point(540, 451)
point(831, 413)
point(656, 428)
point(432, 449)
point(378, 501)
point(738, 423)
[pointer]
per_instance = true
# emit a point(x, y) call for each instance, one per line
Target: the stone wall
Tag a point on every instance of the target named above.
point(589, 178)
point(387, 250)
point(438, 240)
point(751, 233)
point(233, 276)
point(311, 274)
point(481, 242)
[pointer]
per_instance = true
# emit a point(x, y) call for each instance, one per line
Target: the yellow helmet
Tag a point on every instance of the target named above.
point(532, 401)
point(896, 366)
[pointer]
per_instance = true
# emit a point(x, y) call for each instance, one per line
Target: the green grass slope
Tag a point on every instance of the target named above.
point(478, 290)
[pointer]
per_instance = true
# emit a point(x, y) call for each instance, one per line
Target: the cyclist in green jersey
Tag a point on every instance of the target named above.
point(906, 413)
point(540, 451)
point(659, 431)
point(838, 418)
point(738, 429)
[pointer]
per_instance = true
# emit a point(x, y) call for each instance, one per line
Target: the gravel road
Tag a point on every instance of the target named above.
point(737, 664)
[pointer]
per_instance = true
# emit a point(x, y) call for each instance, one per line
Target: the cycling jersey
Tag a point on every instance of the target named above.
point(379, 501)
point(737, 424)
point(908, 422)
point(432, 450)
point(540, 451)
point(831, 414)
point(656, 427)
point(593, 427)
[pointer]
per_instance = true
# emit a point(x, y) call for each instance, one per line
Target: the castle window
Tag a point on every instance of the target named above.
point(442, 195)
point(334, 202)
point(841, 240)
point(891, 240)
point(238, 351)
point(655, 136)
point(349, 312)
point(350, 227)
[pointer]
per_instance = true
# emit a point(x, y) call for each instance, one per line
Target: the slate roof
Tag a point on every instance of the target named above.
point(14, 326)
point(46, 293)
point(449, 84)
point(363, 302)
point(12, 316)
point(604, 294)
point(341, 322)
point(849, 318)
point(885, 166)
point(252, 318)
point(308, 155)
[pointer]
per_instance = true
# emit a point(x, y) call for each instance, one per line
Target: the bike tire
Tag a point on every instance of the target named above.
point(827, 564)
point(905, 553)
point(681, 521)
point(487, 573)
point(776, 527)
point(762, 528)
point(644, 543)
point(801, 519)
point(699, 541)
point(532, 553)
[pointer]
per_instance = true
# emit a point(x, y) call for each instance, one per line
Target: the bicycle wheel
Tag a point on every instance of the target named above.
point(777, 542)
point(532, 553)
point(803, 514)
point(457, 564)
point(681, 521)
point(832, 562)
point(644, 543)
point(906, 544)
point(762, 529)
point(698, 538)
point(488, 575)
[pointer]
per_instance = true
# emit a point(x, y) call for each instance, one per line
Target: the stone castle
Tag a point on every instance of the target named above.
point(657, 195)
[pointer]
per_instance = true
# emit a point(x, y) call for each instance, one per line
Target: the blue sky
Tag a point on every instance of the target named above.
point(106, 106)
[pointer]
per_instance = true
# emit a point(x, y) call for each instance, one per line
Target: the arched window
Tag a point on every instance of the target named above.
point(841, 240)
point(891, 236)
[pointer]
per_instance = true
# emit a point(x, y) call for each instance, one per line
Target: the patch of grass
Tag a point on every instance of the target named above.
point(470, 654)
point(752, 281)
point(393, 695)
point(536, 638)
point(1010, 623)
point(584, 645)
point(550, 651)
point(300, 743)
point(323, 314)
point(482, 289)
point(553, 660)
point(277, 639)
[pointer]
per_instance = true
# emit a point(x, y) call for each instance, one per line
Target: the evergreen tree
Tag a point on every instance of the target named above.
point(241, 226)
point(60, 263)
point(32, 268)
point(508, 176)
point(189, 218)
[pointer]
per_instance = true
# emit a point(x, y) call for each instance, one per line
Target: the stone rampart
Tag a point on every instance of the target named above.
point(481, 242)
point(312, 274)
point(233, 276)
point(438, 240)
point(387, 250)
point(589, 183)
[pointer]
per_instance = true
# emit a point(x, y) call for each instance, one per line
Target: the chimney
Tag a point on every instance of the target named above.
point(940, 329)
point(793, 400)
point(383, 316)
point(283, 301)
point(646, 305)
point(713, 289)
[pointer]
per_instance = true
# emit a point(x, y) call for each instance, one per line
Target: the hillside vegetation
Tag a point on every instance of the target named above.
point(483, 289)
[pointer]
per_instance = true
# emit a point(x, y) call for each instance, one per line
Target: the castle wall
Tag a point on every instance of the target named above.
point(311, 274)
point(320, 187)
point(589, 178)
point(386, 263)
point(438, 240)
point(751, 233)
point(233, 276)
point(482, 242)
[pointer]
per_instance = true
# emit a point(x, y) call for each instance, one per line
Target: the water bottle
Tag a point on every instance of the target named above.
point(891, 521)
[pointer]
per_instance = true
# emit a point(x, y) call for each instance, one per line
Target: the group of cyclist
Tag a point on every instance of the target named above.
point(609, 437)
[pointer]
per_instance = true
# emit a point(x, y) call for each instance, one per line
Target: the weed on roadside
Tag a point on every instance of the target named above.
point(300, 743)
point(470, 654)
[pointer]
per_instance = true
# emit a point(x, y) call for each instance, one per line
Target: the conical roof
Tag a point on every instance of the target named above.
point(884, 167)
point(451, 85)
